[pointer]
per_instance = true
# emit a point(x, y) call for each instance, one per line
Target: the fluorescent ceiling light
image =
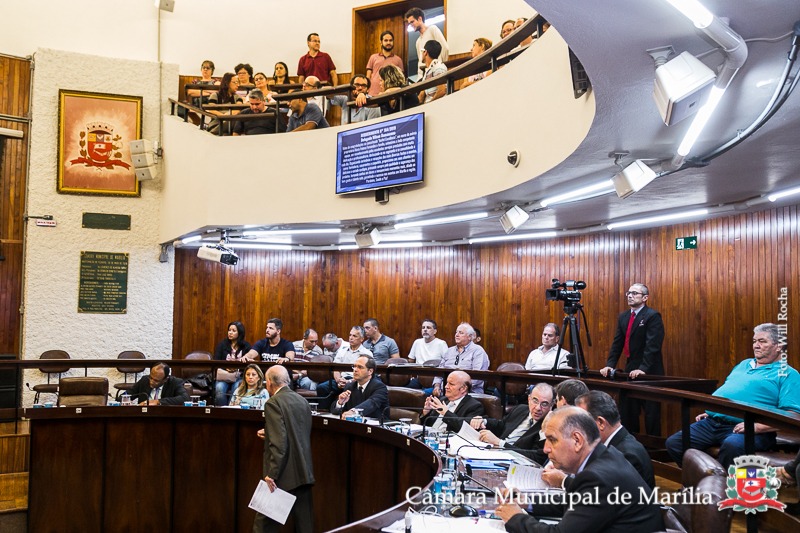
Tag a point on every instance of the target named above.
point(700, 121)
point(661, 218)
point(262, 246)
point(694, 11)
point(783, 194)
point(310, 231)
point(383, 245)
point(590, 191)
point(193, 238)
point(441, 220)
point(348, 247)
point(514, 237)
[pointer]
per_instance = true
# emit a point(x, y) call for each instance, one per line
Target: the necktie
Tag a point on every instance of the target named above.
point(520, 431)
point(361, 390)
point(627, 348)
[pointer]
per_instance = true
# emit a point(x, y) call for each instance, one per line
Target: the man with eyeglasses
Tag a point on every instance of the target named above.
point(360, 84)
point(521, 429)
point(316, 63)
point(366, 392)
point(261, 126)
point(640, 334)
point(465, 355)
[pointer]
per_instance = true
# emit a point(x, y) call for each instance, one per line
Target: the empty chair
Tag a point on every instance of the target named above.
point(514, 393)
point(396, 379)
point(83, 392)
point(51, 388)
point(427, 381)
point(491, 405)
point(135, 370)
point(189, 373)
point(405, 402)
point(708, 479)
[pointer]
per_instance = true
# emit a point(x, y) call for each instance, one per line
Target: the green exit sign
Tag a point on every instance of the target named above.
point(686, 243)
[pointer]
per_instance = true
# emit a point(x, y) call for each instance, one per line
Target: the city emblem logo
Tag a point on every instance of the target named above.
point(100, 147)
point(752, 486)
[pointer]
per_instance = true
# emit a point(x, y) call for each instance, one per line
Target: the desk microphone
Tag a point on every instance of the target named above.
point(462, 477)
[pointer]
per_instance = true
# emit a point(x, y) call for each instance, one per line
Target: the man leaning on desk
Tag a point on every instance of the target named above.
point(573, 445)
point(366, 392)
point(160, 388)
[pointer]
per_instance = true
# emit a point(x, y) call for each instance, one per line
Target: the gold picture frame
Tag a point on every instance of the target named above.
point(94, 135)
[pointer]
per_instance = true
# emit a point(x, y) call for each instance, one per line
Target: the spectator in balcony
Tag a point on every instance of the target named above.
point(479, 46)
point(226, 95)
point(506, 29)
point(529, 39)
point(280, 75)
point(262, 84)
point(381, 59)
point(415, 18)
point(360, 85)
point(312, 83)
point(392, 80)
point(305, 115)
point(258, 106)
point(316, 63)
point(433, 69)
point(245, 74)
point(206, 72)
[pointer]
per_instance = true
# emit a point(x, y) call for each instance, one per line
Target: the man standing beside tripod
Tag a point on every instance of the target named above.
point(640, 334)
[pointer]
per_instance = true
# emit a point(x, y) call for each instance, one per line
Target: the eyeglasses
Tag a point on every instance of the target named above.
point(536, 403)
point(633, 293)
point(359, 85)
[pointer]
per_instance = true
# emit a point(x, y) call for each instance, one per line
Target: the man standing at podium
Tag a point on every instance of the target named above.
point(287, 450)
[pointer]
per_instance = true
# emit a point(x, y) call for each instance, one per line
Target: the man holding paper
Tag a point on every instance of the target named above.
point(287, 450)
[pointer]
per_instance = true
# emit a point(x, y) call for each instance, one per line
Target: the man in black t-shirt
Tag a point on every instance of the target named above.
point(272, 348)
point(258, 106)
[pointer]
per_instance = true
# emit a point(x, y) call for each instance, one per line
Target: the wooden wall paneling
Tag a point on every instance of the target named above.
point(13, 453)
point(710, 298)
point(73, 504)
point(137, 475)
point(376, 461)
point(334, 465)
point(205, 469)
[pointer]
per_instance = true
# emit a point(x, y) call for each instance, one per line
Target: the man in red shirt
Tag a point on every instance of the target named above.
point(316, 63)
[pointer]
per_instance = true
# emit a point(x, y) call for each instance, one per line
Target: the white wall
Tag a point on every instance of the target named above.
point(51, 319)
point(259, 32)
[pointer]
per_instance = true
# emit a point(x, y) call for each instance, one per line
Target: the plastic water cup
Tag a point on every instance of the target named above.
point(187, 403)
point(37, 406)
point(405, 424)
point(126, 399)
point(439, 484)
point(201, 403)
point(48, 405)
point(195, 400)
point(314, 408)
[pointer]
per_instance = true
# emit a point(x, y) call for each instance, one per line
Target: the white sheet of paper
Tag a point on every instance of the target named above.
point(525, 478)
point(275, 505)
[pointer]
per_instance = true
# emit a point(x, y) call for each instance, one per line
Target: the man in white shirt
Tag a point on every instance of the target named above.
point(543, 357)
point(428, 347)
point(416, 19)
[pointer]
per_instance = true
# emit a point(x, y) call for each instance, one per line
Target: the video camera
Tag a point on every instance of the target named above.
point(566, 292)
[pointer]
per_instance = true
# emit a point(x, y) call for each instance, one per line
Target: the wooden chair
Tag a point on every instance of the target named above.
point(50, 388)
point(135, 370)
point(83, 392)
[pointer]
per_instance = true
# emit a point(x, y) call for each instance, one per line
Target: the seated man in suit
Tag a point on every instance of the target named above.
point(573, 445)
point(366, 391)
point(159, 388)
point(604, 410)
point(457, 407)
point(521, 428)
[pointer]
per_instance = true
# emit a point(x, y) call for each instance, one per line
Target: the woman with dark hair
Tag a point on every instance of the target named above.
point(393, 79)
point(231, 348)
point(280, 75)
point(226, 95)
point(251, 391)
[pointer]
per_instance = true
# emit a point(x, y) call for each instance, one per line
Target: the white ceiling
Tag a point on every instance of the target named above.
point(611, 38)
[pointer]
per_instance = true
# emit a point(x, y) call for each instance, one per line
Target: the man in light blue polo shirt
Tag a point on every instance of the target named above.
point(766, 381)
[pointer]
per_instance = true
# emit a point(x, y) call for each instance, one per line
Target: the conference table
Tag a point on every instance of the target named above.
point(160, 468)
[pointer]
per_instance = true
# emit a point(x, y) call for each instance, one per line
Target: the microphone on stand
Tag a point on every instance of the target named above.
point(464, 476)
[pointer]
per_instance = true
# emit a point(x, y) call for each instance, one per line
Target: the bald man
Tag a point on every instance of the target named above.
point(458, 405)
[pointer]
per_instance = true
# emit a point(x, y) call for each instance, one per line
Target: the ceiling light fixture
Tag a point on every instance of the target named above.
point(514, 218)
point(441, 220)
point(700, 121)
point(661, 218)
point(633, 178)
point(694, 11)
point(783, 194)
point(515, 237)
point(192, 238)
point(366, 237)
point(263, 246)
point(590, 191)
point(309, 231)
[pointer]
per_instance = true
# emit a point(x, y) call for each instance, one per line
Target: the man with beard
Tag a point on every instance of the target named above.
point(272, 347)
point(359, 84)
point(381, 59)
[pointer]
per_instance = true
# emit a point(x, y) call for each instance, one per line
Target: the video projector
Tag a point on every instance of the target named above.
point(218, 254)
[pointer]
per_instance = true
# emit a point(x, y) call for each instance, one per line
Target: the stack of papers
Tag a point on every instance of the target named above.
point(526, 479)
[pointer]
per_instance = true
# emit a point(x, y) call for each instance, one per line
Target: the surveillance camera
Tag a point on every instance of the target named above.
point(218, 254)
point(513, 158)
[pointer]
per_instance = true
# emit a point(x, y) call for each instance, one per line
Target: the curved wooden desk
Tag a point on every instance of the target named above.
point(99, 469)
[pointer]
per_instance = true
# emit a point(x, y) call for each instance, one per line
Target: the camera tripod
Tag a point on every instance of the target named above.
point(571, 324)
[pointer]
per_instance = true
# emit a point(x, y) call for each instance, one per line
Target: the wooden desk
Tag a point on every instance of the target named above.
point(195, 469)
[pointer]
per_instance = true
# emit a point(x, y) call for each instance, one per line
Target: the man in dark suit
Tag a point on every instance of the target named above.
point(457, 407)
point(287, 450)
point(640, 334)
point(520, 430)
point(573, 445)
point(159, 388)
point(366, 392)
